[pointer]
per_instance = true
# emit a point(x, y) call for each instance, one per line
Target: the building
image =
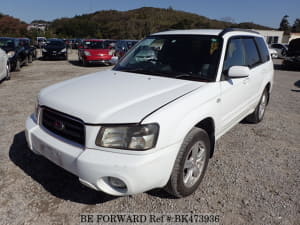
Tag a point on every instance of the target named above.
point(37, 26)
point(271, 36)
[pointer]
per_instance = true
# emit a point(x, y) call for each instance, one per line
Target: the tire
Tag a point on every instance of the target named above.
point(260, 109)
point(26, 61)
point(190, 164)
point(84, 62)
point(30, 59)
point(7, 71)
point(18, 65)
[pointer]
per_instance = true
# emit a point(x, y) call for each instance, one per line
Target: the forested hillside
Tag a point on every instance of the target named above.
point(132, 24)
point(10, 26)
point(135, 24)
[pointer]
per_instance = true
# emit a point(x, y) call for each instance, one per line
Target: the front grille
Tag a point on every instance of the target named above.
point(63, 125)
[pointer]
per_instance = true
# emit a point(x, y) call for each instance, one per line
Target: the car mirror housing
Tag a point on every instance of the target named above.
point(238, 72)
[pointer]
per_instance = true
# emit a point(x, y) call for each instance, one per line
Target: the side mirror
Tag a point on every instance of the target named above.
point(238, 72)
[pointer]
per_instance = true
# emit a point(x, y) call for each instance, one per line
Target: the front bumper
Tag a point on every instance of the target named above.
point(140, 172)
point(54, 54)
point(98, 59)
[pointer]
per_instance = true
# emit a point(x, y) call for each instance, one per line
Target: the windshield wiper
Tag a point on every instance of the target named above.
point(192, 76)
point(147, 72)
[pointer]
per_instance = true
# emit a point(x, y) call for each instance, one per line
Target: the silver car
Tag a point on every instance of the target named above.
point(4, 66)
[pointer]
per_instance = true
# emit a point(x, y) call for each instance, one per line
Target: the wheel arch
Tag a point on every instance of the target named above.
point(268, 88)
point(208, 125)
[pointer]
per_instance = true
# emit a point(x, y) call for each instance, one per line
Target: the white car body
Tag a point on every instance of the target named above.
point(115, 97)
point(4, 65)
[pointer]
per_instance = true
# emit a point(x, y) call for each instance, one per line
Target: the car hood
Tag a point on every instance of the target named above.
point(114, 97)
point(54, 47)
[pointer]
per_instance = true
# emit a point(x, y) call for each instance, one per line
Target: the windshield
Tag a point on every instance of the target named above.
point(6, 43)
point(95, 45)
point(191, 57)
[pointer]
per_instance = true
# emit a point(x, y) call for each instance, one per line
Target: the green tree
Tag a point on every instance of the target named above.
point(296, 26)
point(285, 25)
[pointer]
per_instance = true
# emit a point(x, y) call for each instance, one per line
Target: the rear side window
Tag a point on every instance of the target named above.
point(263, 49)
point(252, 55)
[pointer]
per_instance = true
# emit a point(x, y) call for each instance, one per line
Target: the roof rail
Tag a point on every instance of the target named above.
point(227, 30)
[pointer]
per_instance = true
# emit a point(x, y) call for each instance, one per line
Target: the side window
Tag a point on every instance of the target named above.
point(252, 55)
point(263, 49)
point(235, 54)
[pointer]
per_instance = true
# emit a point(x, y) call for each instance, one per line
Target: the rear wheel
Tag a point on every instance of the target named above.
point(18, 65)
point(26, 61)
point(260, 109)
point(8, 71)
point(190, 164)
point(30, 58)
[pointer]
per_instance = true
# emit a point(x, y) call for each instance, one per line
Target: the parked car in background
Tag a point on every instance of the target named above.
point(273, 53)
point(122, 46)
point(40, 42)
point(280, 48)
point(18, 56)
point(29, 48)
point(154, 119)
point(292, 59)
point(75, 43)
point(4, 66)
point(55, 49)
point(95, 51)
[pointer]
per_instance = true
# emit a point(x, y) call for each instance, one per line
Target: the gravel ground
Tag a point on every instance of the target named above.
point(253, 178)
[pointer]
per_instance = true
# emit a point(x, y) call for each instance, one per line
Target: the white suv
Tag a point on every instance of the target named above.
point(153, 120)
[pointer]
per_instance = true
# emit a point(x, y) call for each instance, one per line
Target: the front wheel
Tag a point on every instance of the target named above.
point(260, 109)
point(190, 164)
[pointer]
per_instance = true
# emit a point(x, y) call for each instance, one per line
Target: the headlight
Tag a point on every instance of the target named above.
point(87, 53)
point(11, 54)
point(44, 50)
point(130, 137)
point(63, 50)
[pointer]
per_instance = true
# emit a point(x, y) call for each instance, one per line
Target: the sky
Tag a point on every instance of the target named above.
point(263, 12)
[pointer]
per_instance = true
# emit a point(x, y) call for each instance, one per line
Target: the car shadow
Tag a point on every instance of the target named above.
point(78, 63)
point(54, 179)
point(160, 193)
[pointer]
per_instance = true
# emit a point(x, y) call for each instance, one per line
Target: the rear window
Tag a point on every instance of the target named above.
point(263, 49)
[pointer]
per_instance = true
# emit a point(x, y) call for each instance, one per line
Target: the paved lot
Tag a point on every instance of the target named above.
point(253, 178)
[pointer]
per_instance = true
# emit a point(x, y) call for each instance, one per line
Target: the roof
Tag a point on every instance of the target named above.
point(215, 32)
point(197, 32)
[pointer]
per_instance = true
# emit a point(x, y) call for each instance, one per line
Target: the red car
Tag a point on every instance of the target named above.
point(95, 51)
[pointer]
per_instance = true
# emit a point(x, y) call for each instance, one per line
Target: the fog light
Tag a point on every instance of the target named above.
point(116, 182)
